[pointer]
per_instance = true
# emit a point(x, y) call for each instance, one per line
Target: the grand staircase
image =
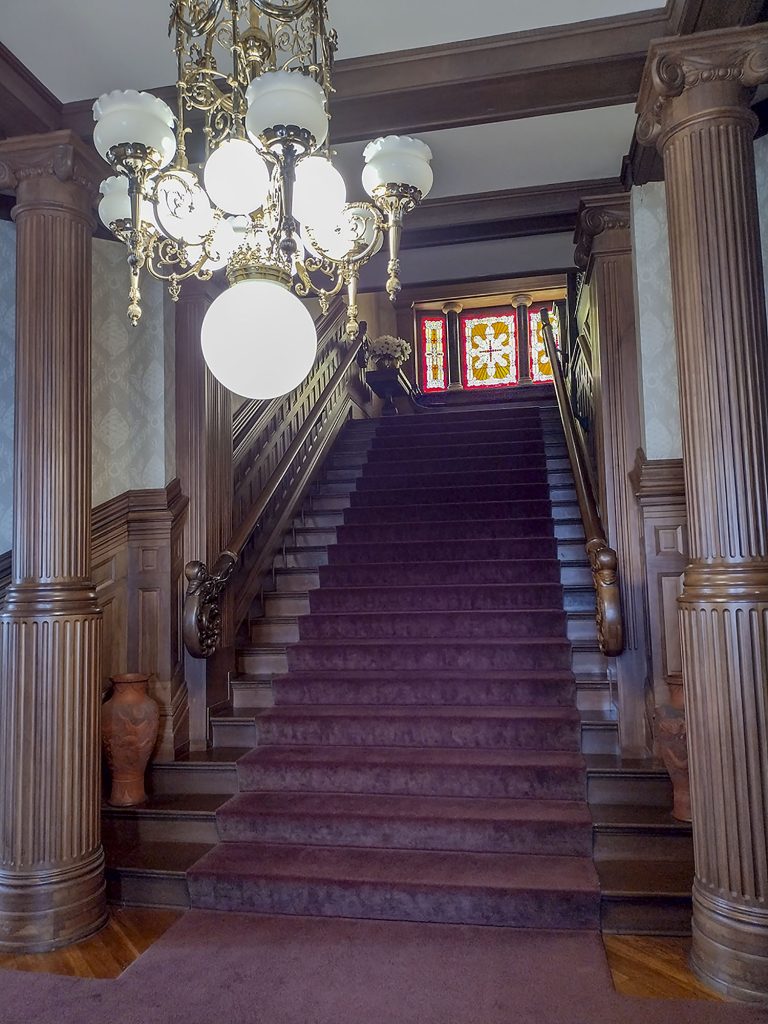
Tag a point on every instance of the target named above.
point(421, 711)
point(422, 758)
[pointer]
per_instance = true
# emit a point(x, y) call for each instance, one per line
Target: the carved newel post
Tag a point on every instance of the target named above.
point(694, 104)
point(51, 860)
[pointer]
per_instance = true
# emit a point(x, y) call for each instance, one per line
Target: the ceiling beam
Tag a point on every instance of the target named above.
point(522, 74)
point(510, 213)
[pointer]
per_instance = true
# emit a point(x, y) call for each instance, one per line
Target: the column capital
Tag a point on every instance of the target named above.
point(720, 67)
point(452, 307)
point(598, 215)
point(61, 155)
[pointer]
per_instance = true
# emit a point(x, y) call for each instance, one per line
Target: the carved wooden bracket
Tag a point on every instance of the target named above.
point(596, 215)
point(202, 610)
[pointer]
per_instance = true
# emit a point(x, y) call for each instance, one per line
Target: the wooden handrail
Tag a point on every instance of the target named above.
point(602, 558)
point(202, 615)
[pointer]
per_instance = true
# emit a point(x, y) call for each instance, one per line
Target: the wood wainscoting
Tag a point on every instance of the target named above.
point(659, 486)
point(138, 569)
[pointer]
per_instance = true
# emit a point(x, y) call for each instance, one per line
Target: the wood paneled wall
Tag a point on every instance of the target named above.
point(138, 569)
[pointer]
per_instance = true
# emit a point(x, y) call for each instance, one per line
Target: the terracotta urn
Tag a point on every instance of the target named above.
point(129, 725)
point(672, 736)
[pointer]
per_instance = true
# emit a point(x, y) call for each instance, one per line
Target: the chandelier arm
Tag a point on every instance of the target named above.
point(200, 26)
point(283, 12)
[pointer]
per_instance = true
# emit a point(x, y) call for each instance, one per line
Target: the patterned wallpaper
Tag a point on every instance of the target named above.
point(133, 394)
point(653, 300)
point(7, 353)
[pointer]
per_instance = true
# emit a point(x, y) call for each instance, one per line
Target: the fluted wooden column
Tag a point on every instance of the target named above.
point(694, 102)
point(51, 860)
point(606, 317)
point(204, 466)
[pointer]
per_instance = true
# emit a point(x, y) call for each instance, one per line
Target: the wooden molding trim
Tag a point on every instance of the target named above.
point(601, 215)
point(26, 105)
point(493, 287)
point(508, 213)
point(522, 74)
point(657, 481)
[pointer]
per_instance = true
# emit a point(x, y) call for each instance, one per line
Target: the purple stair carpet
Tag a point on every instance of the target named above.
point(422, 759)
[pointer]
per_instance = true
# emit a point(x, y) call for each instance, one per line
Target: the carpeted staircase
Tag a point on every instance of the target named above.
point(421, 761)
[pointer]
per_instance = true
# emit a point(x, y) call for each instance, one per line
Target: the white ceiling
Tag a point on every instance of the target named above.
point(573, 146)
point(83, 48)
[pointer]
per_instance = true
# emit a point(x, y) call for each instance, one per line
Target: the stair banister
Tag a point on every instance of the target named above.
point(202, 620)
point(602, 558)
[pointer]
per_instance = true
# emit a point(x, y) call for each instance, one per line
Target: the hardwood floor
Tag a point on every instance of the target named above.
point(129, 932)
point(641, 965)
point(654, 967)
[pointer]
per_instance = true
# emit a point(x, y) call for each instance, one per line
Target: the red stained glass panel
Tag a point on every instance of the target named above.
point(434, 354)
point(541, 368)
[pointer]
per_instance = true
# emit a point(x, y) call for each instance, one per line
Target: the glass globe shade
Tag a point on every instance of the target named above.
point(236, 177)
point(182, 207)
point(115, 203)
point(286, 97)
point(397, 160)
point(319, 192)
point(258, 339)
point(134, 117)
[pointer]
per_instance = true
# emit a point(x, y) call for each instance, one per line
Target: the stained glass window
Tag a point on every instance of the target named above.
point(541, 368)
point(489, 349)
point(434, 354)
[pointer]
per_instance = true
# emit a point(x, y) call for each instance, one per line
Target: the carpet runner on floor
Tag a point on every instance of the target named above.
point(422, 759)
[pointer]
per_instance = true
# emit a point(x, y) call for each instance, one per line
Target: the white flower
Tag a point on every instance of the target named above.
point(386, 345)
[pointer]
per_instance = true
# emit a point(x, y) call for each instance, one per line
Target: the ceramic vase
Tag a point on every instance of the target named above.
point(672, 736)
point(129, 727)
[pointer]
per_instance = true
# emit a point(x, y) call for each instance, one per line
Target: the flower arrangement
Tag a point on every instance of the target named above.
point(389, 351)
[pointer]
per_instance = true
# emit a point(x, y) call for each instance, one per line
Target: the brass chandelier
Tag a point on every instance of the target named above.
point(268, 206)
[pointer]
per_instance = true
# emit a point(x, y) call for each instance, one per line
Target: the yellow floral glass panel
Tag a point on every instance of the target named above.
point(489, 350)
point(541, 368)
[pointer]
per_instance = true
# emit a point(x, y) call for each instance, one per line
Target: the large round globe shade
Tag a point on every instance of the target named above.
point(258, 339)
point(236, 177)
point(319, 192)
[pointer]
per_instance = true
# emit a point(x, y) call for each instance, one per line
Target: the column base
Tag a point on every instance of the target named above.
point(730, 946)
point(42, 910)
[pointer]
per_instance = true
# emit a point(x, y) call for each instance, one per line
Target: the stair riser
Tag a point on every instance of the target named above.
point(129, 888)
point(447, 495)
point(328, 502)
point(191, 778)
point(251, 695)
point(637, 845)
point(262, 663)
point(148, 829)
point(501, 451)
point(582, 628)
point(446, 574)
point(391, 625)
point(318, 519)
point(396, 533)
point(589, 663)
point(414, 903)
point(498, 476)
point(424, 692)
point(517, 782)
point(445, 657)
point(310, 539)
point(642, 791)
point(296, 583)
point(233, 734)
point(560, 839)
point(438, 599)
point(285, 605)
point(527, 734)
point(646, 915)
point(602, 739)
point(445, 434)
point(378, 471)
point(455, 511)
point(266, 632)
point(461, 551)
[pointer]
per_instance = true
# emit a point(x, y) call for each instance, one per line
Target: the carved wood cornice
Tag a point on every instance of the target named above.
point(736, 57)
point(658, 481)
point(597, 215)
point(61, 155)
